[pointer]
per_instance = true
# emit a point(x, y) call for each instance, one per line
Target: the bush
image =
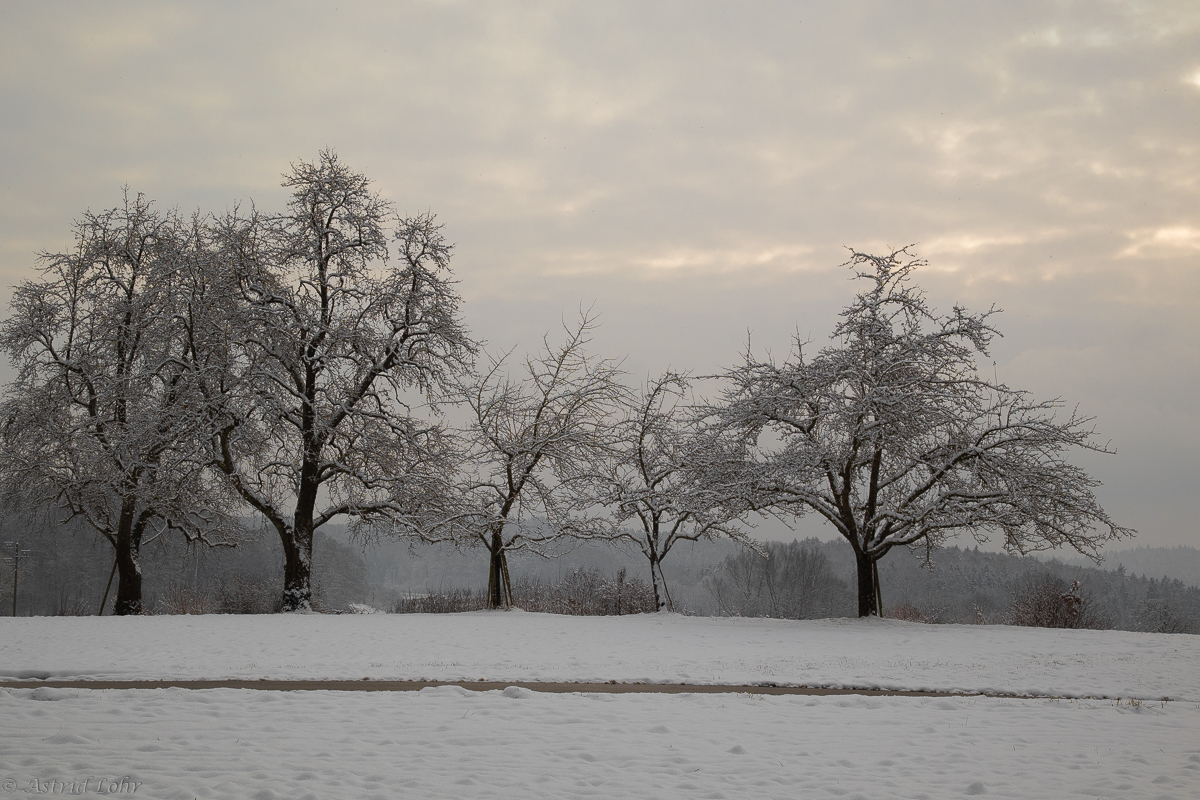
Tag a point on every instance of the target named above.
point(907, 613)
point(581, 592)
point(584, 592)
point(1157, 615)
point(238, 594)
point(445, 601)
point(1045, 601)
point(183, 600)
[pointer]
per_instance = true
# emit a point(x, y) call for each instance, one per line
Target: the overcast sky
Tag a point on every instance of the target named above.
point(694, 170)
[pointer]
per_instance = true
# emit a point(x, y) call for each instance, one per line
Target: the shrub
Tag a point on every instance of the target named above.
point(581, 592)
point(906, 612)
point(444, 601)
point(183, 600)
point(1156, 615)
point(1045, 601)
point(242, 595)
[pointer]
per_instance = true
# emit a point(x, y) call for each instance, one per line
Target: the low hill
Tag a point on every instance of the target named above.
point(1176, 563)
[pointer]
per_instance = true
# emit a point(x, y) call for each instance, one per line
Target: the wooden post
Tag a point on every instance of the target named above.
point(103, 602)
point(16, 557)
point(878, 591)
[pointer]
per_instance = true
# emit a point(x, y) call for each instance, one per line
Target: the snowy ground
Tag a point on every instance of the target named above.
point(447, 742)
point(655, 648)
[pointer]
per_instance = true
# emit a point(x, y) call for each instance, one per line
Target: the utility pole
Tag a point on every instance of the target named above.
point(15, 559)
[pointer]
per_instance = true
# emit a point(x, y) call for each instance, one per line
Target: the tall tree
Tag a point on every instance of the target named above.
point(341, 337)
point(893, 436)
point(531, 442)
point(104, 418)
point(658, 478)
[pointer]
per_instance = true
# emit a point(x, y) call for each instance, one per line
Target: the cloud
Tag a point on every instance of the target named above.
point(1162, 242)
point(780, 258)
point(695, 168)
point(103, 38)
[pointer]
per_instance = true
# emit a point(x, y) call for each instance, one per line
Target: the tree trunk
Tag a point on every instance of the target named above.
point(298, 542)
point(667, 601)
point(297, 567)
point(499, 586)
point(658, 603)
point(129, 568)
point(866, 585)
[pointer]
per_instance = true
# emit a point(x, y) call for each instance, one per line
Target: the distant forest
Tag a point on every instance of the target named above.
point(1142, 589)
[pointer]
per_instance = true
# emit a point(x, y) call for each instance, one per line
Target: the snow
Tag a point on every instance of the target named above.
point(447, 742)
point(652, 648)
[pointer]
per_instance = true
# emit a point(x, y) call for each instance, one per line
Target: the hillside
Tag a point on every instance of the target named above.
point(1177, 563)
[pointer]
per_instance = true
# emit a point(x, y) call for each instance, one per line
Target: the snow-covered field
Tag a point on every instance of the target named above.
point(448, 742)
point(659, 648)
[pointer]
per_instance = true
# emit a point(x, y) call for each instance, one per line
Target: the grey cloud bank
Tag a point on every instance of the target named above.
point(695, 170)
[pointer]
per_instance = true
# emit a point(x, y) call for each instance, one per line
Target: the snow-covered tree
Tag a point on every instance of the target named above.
point(533, 438)
point(340, 337)
point(104, 420)
point(655, 479)
point(894, 437)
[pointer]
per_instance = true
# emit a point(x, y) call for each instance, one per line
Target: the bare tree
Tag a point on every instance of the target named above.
point(340, 340)
point(785, 581)
point(893, 436)
point(532, 440)
point(655, 478)
point(104, 418)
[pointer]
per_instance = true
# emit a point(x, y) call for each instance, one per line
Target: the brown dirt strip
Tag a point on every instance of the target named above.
point(367, 685)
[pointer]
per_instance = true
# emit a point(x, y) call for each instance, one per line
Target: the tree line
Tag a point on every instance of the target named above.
point(806, 580)
point(176, 375)
point(66, 573)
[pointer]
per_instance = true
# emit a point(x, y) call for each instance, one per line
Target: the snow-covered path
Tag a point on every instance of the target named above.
point(179, 744)
point(663, 648)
